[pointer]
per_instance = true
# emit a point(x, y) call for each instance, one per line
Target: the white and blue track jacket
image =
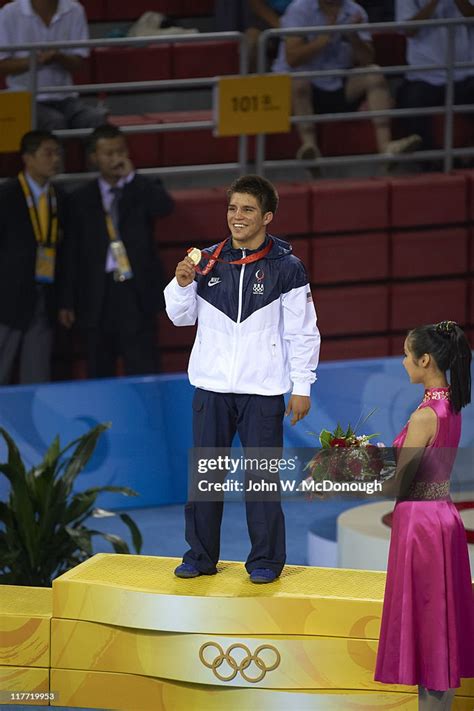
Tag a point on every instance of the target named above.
point(257, 330)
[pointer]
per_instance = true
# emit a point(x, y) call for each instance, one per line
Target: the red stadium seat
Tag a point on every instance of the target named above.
point(347, 138)
point(360, 257)
point(193, 147)
point(427, 302)
point(174, 361)
point(302, 250)
point(471, 301)
point(95, 10)
point(471, 248)
point(347, 205)
point(292, 216)
point(171, 336)
point(463, 131)
point(470, 178)
point(428, 200)
point(188, 8)
point(354, 309)
point(74, 155)
point(85, 73)
point(430, 252)
point(3, 84)
point(279, 146)
point(118, 64)
point(204, 59)
point(126, 10)
point(169, 257)
point(10, 164)
point(390, 48)
point(348, 348)
point(199, 216)
point(145, 148)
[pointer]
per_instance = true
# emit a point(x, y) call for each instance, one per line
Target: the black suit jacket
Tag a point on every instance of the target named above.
point(87, 243)
point(18, 291)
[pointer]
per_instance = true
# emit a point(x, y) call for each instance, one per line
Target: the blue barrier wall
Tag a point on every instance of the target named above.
point(146, 448)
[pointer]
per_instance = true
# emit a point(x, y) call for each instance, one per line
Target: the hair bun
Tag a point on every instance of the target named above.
point(445, 328)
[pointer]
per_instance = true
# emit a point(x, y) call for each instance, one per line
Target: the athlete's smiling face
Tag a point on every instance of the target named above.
point(247, 223)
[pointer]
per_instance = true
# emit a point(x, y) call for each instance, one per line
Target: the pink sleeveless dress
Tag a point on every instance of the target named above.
point(427, 631)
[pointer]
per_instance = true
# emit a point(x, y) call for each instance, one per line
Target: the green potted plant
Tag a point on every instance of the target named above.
point(43, 529)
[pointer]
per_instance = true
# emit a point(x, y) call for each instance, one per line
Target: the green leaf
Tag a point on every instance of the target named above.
point(137, 538)
point(14, 458)
point(325, 438)
point(124, 490)
point(82, 454)
point(118, 544)
point(81, 505)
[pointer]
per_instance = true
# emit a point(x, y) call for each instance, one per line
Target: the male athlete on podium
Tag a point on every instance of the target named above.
point(257, 338)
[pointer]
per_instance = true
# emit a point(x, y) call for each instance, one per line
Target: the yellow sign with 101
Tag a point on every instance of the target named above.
point(259, 103)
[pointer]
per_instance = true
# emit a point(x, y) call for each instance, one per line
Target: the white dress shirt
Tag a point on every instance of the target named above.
point(429, 45)
point(19, 24)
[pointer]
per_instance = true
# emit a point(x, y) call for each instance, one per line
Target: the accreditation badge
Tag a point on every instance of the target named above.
point(123, 270)
point(45, 264)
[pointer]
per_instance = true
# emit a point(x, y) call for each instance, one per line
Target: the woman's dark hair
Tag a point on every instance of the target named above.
point(262, 190)
point(448, 345)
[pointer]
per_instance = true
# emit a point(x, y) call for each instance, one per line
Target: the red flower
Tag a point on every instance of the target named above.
point(338, 442)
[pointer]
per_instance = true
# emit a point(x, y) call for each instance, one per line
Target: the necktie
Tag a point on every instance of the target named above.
point(43, 215)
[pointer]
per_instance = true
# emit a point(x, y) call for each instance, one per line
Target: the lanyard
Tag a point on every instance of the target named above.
point(51, 236)
point(111, 231)
point(214, 257)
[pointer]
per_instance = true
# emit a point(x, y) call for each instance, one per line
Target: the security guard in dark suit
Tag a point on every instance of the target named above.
point(114, 284)
point(32, 219)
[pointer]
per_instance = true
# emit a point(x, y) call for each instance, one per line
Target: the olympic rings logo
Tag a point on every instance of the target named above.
point(235, 665)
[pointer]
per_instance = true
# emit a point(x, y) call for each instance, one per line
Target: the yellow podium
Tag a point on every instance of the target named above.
point(126, 634)
point(25, 617)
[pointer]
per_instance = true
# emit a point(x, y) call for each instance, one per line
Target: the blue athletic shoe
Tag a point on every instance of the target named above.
point(185, 570)
point(263, 575)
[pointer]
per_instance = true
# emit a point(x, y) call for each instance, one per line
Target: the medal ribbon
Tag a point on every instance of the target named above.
point(214, 257)
point(51, 236)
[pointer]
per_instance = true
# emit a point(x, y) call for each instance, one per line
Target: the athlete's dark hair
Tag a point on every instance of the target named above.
point(448, 345)
point(262, 190)
point(104, 131)
point(32, 140)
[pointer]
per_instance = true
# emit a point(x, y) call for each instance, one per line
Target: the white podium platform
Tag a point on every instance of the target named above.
point(363, 539)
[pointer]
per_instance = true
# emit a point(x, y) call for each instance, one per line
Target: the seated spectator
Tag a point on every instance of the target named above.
point(42, 21)
point(321, 51)
point(263, 15)
point(429, 45)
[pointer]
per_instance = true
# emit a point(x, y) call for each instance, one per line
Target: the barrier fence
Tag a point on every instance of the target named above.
point(447, 153)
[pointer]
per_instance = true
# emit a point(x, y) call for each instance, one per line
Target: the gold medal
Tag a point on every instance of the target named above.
point(194, 255)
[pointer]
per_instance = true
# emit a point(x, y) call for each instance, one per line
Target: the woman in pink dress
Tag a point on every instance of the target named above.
point(427, 632)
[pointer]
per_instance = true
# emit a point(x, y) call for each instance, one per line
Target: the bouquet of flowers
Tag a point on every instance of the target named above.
point(345, 458)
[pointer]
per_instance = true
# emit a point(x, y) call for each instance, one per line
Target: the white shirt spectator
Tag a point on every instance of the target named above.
point(19, 24)
point(430, 45)
point(338, 53)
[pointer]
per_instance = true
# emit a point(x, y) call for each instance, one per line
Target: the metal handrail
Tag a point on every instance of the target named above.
point(448, 152)
point(198, 82)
